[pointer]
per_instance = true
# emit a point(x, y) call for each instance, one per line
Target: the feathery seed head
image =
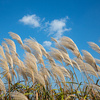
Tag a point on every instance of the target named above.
point(11, 44)
point(89, 59)
point(18, 96)
point(94, 46)
point(5, 46)
point(2, 86)
point(16, 37)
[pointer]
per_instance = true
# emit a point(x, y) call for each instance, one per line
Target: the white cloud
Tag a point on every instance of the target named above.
point(57, 27)
point(31, 20)
point(47, 43)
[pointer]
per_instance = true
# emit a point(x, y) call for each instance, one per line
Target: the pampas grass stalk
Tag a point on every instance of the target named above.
point(48, 75)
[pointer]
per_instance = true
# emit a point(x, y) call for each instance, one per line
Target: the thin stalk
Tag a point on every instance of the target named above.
point(76, 77)
point(9, 89)
point(36, 95)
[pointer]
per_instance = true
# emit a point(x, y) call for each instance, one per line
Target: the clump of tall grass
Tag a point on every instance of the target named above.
point(44, 75)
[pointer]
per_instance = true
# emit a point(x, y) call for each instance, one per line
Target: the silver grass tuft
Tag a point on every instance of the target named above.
point(89, 69)
point(89, 59)
point(60, 47)
point(53, 39)
point(33, 45)
point(2, 52)
point(76, 65)
point(43, 50)
point(16, 37)
point(30, 62)
point(97, 61)
point(39, 79)
point(56, 54)
point(9, 59)
point(94, 46)
point(85, 67)
point(65, 71)
point(58, 72)
point(5, 46)
point(69, 43)
point(18, 96)
point(29, 73)
point(26, 47)
point(2, 86)
point(11, 44)
point(66, 58)
point(51, 60)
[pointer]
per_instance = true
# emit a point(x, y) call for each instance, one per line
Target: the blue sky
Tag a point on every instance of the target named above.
point(42, 19)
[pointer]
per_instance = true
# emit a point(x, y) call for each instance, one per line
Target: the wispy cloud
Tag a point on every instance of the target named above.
point(31, 20)
point(57, 27)
point(47, 43)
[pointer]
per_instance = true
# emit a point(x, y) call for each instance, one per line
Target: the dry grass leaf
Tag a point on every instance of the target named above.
point(5, 46)
point(2, 86)
point(16, 37)
point(94, 46)
point(11, 44)
point(89, 59)
point(18, 96)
